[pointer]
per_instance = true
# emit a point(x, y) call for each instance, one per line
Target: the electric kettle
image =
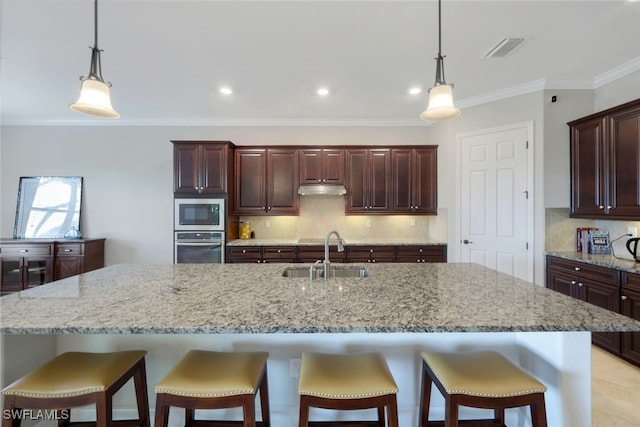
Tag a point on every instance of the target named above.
point(634, 248)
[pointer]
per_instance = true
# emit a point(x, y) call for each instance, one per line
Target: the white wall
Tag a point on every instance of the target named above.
point(128, 172)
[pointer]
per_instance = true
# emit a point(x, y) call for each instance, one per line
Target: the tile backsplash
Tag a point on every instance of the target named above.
point(321, 214)
point(560, 230)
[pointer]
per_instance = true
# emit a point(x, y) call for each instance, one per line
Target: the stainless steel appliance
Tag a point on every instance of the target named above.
point(199, 214)
point(203, 247)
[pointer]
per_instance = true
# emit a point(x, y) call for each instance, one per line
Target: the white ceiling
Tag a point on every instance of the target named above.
point(167, 59)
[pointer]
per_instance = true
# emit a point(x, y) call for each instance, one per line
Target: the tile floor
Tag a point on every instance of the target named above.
point(615, 387)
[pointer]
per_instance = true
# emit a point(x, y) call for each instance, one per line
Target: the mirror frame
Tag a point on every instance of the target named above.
point(24, 207)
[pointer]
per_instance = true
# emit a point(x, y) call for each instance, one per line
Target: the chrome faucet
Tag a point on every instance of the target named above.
point(326, 251)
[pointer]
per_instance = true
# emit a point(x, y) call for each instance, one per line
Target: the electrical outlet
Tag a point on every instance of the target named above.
point(633, 231)
point(413, 222)
point(267, 224)
point(368, 223)
point(294, 368)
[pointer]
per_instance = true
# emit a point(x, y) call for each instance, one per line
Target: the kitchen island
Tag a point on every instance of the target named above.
point(399, 310)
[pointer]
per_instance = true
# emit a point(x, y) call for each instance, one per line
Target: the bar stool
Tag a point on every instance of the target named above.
point(76, 379)
point(483, 379)
point(215, 380)
point(347, 382)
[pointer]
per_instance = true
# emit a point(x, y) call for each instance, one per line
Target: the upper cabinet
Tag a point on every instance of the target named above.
point(368, 180)
point(202, 167)
point(605, 164)
point(321, 166)
point(267, 181)
point(414, 180)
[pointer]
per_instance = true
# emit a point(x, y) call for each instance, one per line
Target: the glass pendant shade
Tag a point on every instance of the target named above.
point(95, 100)
point(440, 104)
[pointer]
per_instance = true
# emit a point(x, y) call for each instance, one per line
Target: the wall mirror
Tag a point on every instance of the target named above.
point(48, 207)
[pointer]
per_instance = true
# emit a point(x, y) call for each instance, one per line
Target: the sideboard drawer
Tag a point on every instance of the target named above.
point(22, 251)
point(64, 249)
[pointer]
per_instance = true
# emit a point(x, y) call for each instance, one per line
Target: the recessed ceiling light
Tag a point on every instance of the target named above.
point(415, 90)
point(226, 91)
point(323, 91)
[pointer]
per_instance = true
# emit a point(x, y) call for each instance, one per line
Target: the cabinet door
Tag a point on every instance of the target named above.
point(561, 282)
point(333, 166)
point(368, 180)
point(630, 346)
point(246, 254)
point(186, 168)
point(630, 307)
point(213, 168)
point(608, 297)
point(425, 187)
point(588, 168)
point(10, 274)
point(379, 180)
point(282, 181)
point(356, 181)
point(624, 176)
point(251, 169)
point(311, 166)
point(403, 180)
point(431, 253)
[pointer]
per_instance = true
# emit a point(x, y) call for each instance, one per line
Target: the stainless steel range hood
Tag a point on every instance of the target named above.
point(322, 190)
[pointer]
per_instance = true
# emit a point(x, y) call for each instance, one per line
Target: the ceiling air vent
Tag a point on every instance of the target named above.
point(503, 46)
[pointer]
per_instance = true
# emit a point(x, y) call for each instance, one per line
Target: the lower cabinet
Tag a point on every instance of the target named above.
point(607, 288)
point(25, 264)
point(630, 341)
point(351, 254)
point(371, 254)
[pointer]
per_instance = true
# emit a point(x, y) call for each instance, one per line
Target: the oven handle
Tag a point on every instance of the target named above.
point(199, 244)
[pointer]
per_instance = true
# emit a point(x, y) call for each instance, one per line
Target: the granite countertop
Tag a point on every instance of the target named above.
point(604, 260)
point(248, 298)
point(309, 241)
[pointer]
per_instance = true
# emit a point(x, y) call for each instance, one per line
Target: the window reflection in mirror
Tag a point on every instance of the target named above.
point(48, 207)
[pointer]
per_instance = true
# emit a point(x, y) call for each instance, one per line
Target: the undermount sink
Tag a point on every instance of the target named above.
point(317, 272)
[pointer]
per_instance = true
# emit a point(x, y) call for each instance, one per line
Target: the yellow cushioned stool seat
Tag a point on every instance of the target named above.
point(481, 379)
point(213, 380)
point(345, 382)
point(78, 378)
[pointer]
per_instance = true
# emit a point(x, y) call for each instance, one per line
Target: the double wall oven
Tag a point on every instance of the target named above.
point(199, 229)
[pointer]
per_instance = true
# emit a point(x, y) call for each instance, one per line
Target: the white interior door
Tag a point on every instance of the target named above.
point(496, 206)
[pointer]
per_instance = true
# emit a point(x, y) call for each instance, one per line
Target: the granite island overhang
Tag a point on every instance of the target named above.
point(399, 310)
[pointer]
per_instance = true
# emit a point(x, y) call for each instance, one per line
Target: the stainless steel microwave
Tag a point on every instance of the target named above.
point(199, 215)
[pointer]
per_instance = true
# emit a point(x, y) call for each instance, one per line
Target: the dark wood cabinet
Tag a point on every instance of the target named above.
point(368, 254)
point(630, 306)
point(605, 164)
point(313, 253)
point(267, 181)
point(591, 283)
point(25, 264)
point(368, 181)
point(321, 165)
point(414, 180)
point(421, 253)
point(202, 167)
point(351, 254)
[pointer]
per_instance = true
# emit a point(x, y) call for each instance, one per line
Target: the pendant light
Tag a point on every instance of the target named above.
point(95, 99)
point(441, 94)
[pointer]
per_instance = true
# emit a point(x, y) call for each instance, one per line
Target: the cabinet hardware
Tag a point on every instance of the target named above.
point(600, 207)
point(580, 284)
point(68, 250)
point(624, 297)
point(573, 282)
point(467, 242)
point(24, 250)
point(576, 268)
